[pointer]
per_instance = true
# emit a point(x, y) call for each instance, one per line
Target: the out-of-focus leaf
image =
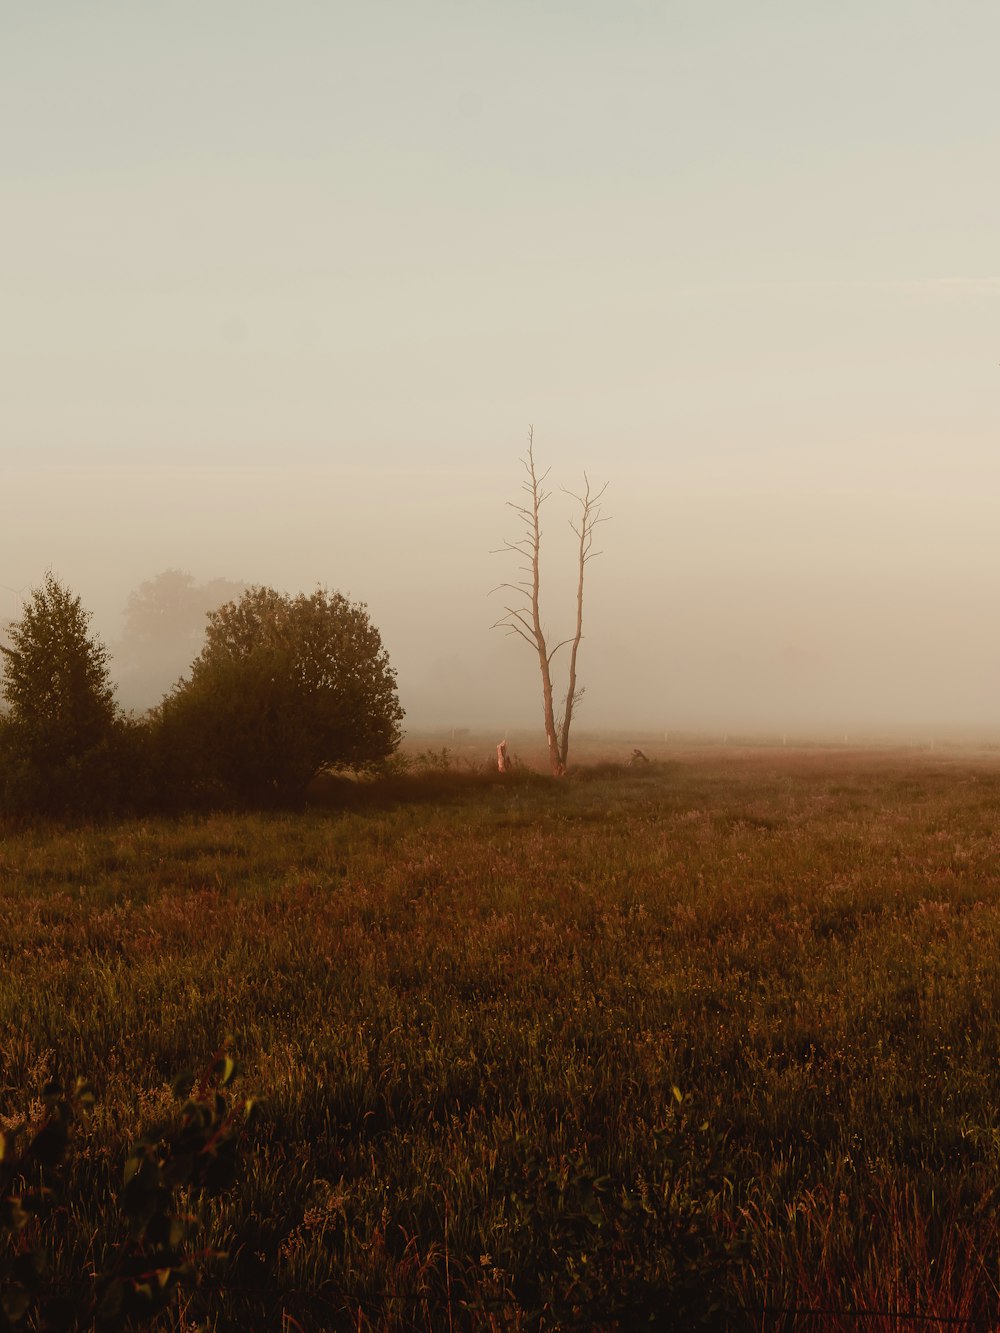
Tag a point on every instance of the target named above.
point(84, 1094)
point(225, 1070)
point(49, 1144)
point(12, 1216)
point(112, 1302)
point(15, 1303)
point(181, 1084)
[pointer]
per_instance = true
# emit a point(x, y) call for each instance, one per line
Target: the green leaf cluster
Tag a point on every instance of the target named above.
point(168, 1170)
point(31, 1158)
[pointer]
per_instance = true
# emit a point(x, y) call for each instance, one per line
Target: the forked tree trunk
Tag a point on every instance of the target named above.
point(526, 620)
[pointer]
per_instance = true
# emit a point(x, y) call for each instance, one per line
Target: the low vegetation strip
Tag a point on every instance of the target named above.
point(709, 1042)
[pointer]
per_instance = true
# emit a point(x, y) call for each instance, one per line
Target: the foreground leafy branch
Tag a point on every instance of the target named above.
point(193, 1154)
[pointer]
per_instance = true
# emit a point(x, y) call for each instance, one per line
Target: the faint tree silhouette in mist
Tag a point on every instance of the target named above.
point(165, 622)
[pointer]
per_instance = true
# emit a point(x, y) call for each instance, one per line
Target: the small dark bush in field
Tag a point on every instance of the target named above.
point(434, 761)
point(167, 1170)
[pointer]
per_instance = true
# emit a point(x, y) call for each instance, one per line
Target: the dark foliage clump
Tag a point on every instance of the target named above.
point(170, 1168)
point(284, 687)
point(65, 746)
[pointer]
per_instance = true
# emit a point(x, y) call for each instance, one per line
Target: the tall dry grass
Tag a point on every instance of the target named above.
point(469, 1002)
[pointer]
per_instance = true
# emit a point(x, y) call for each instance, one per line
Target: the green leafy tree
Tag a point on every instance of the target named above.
point(56, 679)
point(284, 686)
point(62, 725)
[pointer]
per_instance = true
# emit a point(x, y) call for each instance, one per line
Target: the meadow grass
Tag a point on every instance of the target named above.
point(712, 1040)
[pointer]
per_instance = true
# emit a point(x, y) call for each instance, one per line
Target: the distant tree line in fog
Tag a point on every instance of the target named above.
point(279, 688)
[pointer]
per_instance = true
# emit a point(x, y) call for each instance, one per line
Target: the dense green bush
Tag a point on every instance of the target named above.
point(283, 687)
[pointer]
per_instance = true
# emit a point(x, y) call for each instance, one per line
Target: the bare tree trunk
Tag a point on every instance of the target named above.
point(526, 619)
point(589, 518)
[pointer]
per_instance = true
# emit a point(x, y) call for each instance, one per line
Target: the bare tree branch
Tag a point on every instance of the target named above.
point(554, 650)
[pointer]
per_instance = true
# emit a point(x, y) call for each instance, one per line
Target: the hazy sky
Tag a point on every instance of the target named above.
point(282, 286)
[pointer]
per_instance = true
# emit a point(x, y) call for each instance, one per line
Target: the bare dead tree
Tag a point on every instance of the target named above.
point(523, 617)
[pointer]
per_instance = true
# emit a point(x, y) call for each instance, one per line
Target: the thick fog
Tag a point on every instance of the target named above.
point(284, 288)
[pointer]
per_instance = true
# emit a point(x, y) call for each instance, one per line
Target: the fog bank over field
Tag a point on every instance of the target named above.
point(283, 292)
point(733, 610)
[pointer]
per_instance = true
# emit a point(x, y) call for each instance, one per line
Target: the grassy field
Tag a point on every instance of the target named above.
point(711, 1040)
